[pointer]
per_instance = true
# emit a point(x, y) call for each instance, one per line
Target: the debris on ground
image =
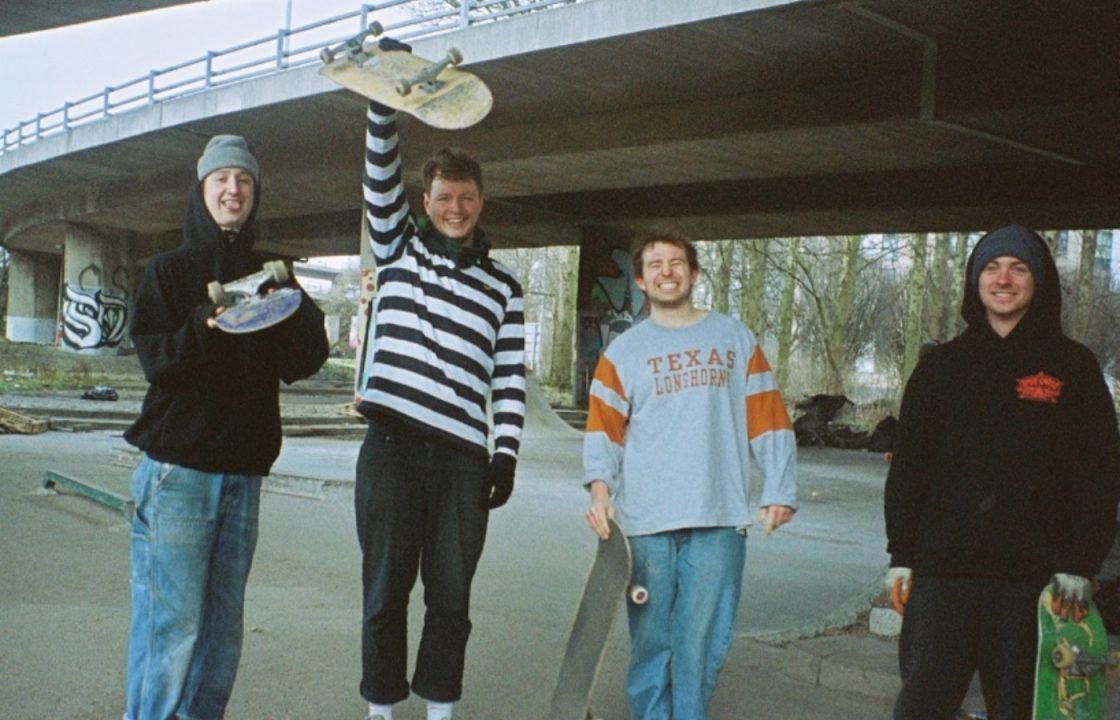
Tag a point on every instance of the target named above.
point(13, 422)
point(100, 392)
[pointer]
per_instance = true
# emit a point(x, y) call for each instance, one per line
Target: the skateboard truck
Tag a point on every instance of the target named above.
point(1069, 657)
point(353, 47)
point(244, 289)
point(253, 302)
point(429, 74)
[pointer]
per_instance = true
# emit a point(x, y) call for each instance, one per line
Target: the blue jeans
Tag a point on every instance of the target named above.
point(679, 639)
point(193, 538)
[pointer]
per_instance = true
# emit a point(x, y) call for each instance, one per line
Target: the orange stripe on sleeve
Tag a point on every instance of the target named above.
point(601, 417)
point(606, 373)
point(758, 362)
point(766, 412)
point(604, 418)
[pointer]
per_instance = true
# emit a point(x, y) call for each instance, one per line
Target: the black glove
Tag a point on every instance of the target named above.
point(388, 44)
point(499, 482)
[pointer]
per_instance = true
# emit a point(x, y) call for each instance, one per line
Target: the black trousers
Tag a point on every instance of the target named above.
point(417, 504)
point(955, 626)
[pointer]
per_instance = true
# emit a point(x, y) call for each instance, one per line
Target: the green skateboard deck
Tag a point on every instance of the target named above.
point(1070, 670)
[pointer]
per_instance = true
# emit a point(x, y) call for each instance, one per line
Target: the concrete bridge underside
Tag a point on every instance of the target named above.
point(729, 119)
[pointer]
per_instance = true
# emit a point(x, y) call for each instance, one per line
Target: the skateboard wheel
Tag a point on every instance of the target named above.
point(1063, 657)
point(278, 269)
point(639, 595)
point(403, 87)
point(454, 56)
point(216, 293)
point(326, 56)
point(376, 28)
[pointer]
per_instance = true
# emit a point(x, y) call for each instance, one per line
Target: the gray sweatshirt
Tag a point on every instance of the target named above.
point(675, 414)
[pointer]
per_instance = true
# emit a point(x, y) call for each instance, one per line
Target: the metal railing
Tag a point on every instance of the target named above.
point(286, 49)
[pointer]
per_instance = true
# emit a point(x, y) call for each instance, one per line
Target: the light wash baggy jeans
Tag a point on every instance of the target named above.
point(193, 538)
point(679, 639)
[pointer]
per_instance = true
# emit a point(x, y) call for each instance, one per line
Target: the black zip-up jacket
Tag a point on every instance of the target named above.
point(213, 400)
point(1007, 463)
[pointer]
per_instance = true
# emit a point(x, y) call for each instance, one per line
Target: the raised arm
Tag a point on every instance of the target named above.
point(386, 209)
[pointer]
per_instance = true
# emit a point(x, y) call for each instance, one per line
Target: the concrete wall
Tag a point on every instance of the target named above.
point(97, 288)
point(32, 297)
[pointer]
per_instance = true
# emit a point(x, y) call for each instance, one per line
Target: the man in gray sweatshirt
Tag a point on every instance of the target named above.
point(679, 405)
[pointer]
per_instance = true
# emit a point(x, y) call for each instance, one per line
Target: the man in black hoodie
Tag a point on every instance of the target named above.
point(209, 428)
point(1005, 476)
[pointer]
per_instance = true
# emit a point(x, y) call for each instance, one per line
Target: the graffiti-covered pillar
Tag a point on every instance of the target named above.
point(97, 282)
point(32, 297)
point(608, 302)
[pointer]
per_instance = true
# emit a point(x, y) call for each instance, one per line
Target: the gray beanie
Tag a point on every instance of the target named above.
point(227, 151)
point(1010, 240)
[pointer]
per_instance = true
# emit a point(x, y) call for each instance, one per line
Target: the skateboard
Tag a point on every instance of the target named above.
point(435, 93)
point(249, 305)
point(607, 584)
point(1072, 659)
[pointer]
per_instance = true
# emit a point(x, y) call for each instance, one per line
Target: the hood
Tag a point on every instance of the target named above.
point(230, 260)
point(1045, 311)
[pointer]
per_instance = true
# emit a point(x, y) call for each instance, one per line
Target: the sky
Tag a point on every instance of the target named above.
point(40, 71)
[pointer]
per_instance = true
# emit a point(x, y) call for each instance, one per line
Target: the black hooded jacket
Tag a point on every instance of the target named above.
point(213, 400)
point(1007, 463)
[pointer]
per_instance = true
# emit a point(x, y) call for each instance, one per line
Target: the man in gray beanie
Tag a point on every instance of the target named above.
point(209, 429)
point(1005, 478)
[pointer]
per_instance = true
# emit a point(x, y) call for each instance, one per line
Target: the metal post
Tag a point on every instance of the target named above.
point(281, 38)
point(66, 115)
point(151, 86)
point(38, 126)
point(105, 102)
point(465, 14)
point(209, 67)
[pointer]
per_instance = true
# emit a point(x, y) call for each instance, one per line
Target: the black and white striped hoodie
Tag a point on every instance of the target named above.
point(443, 338)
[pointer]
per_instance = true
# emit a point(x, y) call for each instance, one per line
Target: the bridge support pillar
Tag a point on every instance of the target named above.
point(32, 297)
point(608, 301)
point(98, 280)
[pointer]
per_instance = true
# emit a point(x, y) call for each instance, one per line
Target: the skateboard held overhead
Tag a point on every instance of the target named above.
point(1072, 660)
point(436, 93)
point(251, 303)
point(607, 584)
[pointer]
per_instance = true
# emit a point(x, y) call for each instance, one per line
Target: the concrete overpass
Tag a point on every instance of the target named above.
point(746, 118)
point(28, 16)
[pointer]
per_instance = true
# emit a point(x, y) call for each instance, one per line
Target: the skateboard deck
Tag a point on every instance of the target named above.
point(437, 94)
point(1071, 664)
point(249, 305)
point(606, 585)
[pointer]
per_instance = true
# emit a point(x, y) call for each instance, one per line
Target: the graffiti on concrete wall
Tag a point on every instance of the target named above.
point(94, 316)
point(613, 304)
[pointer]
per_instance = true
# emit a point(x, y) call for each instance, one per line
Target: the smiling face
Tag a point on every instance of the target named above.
point(453, 206)
point(1006, 288)
point(228, 193)
point(667, 278)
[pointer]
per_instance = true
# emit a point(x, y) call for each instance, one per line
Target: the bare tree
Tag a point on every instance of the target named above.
point(751, 310)
point(914, 330)
point(786, 313)
point(1086, 282)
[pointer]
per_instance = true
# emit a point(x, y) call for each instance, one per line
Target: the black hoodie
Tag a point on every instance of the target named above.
point(213, 399)
point(1007, 463)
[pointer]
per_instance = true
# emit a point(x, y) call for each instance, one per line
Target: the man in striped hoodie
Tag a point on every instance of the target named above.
point(447, 338)
point(679, 405)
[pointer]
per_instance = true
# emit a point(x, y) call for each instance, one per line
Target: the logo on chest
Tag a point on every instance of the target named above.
point(1039, 388)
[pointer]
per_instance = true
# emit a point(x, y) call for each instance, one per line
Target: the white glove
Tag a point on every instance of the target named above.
point(895, 574)
point(898, 583)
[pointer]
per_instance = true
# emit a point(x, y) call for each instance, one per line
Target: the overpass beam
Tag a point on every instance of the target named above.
point(32, 297)
point(99, 280)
